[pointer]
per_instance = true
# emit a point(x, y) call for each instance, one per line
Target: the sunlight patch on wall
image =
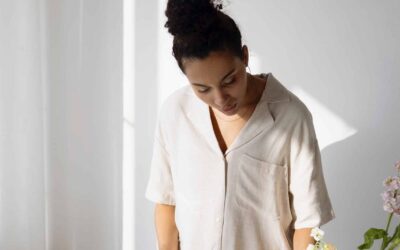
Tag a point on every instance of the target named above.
point(128, 174)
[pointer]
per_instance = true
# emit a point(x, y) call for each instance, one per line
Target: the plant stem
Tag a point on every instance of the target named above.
point(387, 229)
point(388, 223)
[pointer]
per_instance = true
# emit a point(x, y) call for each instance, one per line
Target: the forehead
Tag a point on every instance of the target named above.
point(210, 69)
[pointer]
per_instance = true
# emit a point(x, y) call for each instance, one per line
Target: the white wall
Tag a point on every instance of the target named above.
point(61, 117)
point(340, 57)
point(84, 53)
point(22, 161)
point(146, 99)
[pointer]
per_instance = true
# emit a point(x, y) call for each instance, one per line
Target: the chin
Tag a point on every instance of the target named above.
point(231, 111)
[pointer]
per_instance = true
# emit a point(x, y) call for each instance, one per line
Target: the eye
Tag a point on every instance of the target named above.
point(230, 81)
point(203, 90)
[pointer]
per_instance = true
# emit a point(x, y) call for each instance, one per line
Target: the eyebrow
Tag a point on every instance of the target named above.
point(202, 85)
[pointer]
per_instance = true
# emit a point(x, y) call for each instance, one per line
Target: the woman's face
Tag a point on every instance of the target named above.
point(220, 80)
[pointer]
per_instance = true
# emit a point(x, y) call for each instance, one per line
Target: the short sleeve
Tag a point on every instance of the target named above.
point(310, 202)
point(160, 188)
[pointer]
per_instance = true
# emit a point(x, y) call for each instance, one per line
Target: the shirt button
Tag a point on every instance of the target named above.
point(218, 219)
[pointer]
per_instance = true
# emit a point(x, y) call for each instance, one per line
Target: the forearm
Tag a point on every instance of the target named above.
point(167, 232)
point(301, 239)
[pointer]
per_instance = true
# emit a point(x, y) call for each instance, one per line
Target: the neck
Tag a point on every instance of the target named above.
point(255, 89)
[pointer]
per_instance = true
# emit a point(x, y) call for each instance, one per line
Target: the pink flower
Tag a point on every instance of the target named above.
point(397, 166)
point(391, 200)
point(392, 183)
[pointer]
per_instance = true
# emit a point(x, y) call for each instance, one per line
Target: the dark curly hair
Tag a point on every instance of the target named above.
point(200, 27)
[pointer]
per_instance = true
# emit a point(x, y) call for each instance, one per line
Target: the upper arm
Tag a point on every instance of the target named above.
point(310, 202)
point(160, 186)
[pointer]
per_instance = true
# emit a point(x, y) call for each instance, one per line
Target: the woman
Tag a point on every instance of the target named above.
point(236, 162)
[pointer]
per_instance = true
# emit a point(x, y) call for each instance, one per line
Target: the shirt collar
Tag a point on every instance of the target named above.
point(275, 91)
point(198, 114)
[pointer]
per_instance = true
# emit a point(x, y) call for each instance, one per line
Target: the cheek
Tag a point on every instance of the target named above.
point(205, 98)
point(239, 92)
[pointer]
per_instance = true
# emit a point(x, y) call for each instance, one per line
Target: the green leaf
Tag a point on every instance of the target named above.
point(395, 243)
point(395, 239)
point(396, 234)
point(371, 235)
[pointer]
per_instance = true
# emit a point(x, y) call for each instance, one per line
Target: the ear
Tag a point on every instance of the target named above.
point(245, 53)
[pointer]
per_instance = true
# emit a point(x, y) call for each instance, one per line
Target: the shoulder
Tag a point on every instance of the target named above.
point(299, 119)
point(297, 108)
point(284, 104)
point(172, 112)
point(172, 107)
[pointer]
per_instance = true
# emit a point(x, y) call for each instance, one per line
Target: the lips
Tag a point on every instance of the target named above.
point(227, 108)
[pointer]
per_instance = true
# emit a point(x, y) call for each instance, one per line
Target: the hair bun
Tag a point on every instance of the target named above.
point(189, 16)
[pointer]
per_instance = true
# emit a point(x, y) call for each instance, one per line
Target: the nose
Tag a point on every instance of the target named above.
point(220, 98)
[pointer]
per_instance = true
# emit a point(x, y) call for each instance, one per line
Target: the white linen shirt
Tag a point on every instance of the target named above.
point(268, 183)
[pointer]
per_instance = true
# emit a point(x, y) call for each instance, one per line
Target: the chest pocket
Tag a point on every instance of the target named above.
point(258, 186)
